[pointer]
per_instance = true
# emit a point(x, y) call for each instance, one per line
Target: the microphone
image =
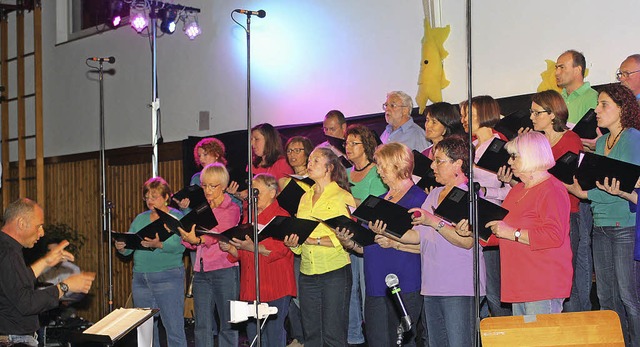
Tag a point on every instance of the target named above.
point(109, 60)
point(260, 14)
point(393, 283)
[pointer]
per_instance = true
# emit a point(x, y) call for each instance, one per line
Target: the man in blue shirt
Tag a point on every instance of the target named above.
point(629, 74)
point(400, 126)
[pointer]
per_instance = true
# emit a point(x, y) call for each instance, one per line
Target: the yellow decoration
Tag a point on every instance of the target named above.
point(549, 78)
point(432, 78)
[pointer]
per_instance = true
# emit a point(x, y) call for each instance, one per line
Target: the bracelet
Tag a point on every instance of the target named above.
point(353, 245)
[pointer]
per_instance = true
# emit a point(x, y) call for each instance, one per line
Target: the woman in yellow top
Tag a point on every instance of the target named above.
point(325, 271)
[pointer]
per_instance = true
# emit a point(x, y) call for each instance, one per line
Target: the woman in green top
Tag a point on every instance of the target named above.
point(360, 145)
point(158, 273)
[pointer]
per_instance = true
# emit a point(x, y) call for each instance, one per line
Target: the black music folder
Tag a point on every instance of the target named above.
point(422, 169)
point(238, 232)
point(396, 217)
point(586, 127)
point(150, 230)
point(336, 142)
point(194, 193)
point(289, 197)
point(565, 167)
point(455, 207)
point(594, 168)
point(280, 227)
point(361, 235)
point(303, 179)
point(495, 157)
point(202, 216)
point(510, 124)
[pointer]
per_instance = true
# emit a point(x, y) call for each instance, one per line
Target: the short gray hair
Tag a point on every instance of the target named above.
point(404, 97)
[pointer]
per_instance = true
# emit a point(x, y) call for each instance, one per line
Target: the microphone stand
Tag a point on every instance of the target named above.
point(473, 202)
point(110, 293)
point(252, 195)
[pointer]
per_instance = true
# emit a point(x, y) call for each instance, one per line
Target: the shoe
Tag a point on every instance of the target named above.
point(295, 343)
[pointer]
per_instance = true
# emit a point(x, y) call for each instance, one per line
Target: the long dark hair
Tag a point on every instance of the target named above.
point(272, 145)
point(335, 167)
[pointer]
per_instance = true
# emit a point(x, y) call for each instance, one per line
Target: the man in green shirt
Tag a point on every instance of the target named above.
point(578, 94)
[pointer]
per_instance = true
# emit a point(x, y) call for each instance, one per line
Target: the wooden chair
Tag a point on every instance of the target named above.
point(592, 328)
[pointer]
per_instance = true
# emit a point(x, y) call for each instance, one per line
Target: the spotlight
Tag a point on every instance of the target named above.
point(191, 27)
point(169, 18)
point(138, 18)
point(114, 17)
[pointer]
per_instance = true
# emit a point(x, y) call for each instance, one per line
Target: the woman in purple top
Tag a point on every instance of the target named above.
point(395, 164)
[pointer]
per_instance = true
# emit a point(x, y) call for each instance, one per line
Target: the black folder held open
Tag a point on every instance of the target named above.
point(423, 175)
point(510, 124)
point(133, 240)
point(455, 207)
point(361, 235)
point(280, 227)
point(495, 157)
point(594, 168)
point(194, 193)
point(201, 216)
point(373, 208)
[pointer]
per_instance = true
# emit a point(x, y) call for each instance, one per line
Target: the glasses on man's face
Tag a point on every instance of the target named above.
point(294, 150)
point(352, 143)
point(210, 186)
point(624, 74)
point(385, 106)
point(537, 113)
point(151, 197)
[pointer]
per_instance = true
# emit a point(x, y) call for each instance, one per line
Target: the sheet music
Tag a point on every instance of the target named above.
point(118, 322)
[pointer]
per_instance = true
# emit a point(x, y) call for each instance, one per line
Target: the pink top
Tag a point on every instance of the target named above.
point(279, 169)
point(209, 257)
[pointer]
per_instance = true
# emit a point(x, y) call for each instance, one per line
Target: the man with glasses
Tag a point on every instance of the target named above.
point(400, 125)
point(578, 94)
point(629, 74)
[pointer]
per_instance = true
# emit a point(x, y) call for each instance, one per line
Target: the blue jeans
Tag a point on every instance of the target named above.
point(581, 224)
point(355, 335)
point(537, 307)
point(273, 333)
point(617, 277)
point(382, 318)
point(450, 320)
point(163, 290)
point(492, 264)
point(324, 302)
point(212, 291)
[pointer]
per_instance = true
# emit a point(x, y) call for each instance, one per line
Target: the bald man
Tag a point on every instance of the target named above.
point(629, 74)
point(20, 301)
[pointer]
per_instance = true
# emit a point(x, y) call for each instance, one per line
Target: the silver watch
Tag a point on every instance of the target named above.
point(440, 225)
point(64, 287)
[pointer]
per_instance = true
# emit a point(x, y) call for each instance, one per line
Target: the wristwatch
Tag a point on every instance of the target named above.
point(440, 226)
point(64, 287)
point(516, 235)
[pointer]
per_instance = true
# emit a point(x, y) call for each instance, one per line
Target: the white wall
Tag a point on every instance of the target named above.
point(312, 56)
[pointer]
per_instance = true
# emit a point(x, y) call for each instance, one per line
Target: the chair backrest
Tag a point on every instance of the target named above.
point(592, 328)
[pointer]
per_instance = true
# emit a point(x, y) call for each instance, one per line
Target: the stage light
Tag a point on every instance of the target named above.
point(169, 19)
point(114, 17)
point(138, 18)
point(191, 27)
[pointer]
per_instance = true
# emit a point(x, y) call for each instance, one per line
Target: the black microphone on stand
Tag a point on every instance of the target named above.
point(109, 60)
point(393, 283)
point(260, 13)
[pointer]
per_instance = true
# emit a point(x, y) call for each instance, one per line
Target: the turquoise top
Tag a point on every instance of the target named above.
point(610, 210)
point(371, 184)
point(160, 259)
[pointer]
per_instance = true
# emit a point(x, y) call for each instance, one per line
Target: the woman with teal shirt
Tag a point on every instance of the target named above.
point(158, 274)
point(360, 145)
point(614, 224)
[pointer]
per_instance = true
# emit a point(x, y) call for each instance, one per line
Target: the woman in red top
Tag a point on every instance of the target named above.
point(549, 115)
point(535, 251)
point(277, 284)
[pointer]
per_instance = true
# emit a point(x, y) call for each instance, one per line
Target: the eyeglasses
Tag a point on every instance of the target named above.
point(352, 143)
point(391, 105)
point(537, 113)
point(624, 74)
point(294, 150)
point(151, 197)
point(513, 156)
point(440, 161)
point(210, 186)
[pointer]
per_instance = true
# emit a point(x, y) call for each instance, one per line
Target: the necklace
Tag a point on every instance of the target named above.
point(397, 191)
point(614, 140)
point(522, 197)
point(360, 170)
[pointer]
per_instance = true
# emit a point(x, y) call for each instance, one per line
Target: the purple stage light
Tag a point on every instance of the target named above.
point(138, 22)
point(192, 30)
point(116, 21)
